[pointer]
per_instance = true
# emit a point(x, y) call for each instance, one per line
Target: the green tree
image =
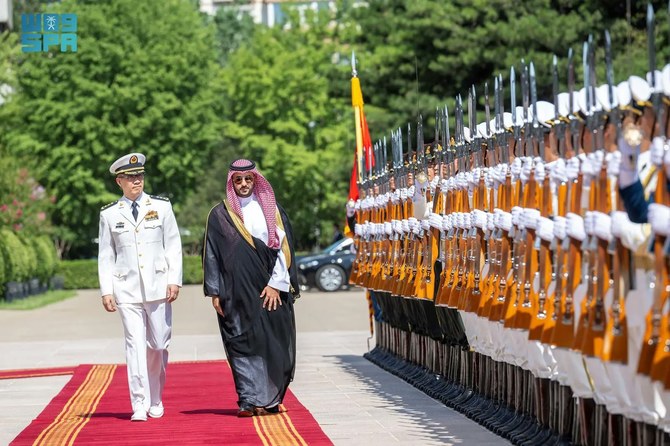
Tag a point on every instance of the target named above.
point(277, 111)
point(140, 81)
point(415, 55)
point(234, 28)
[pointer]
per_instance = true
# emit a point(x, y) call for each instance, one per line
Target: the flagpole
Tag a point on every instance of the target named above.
point(357, 104)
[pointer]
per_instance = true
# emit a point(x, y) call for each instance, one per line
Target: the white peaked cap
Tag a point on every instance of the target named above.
point(519, 115)
point(564, 103)
point(545, 113)
point(659, 81)
point(466, 134)
point(581, 95)
point(481, 129)
point(602, 95)
point(639, 89)
point(506, 122)
point(665, 75)
point(623, 94)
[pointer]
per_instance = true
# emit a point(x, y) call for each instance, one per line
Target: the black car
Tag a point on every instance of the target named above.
point(329, 269)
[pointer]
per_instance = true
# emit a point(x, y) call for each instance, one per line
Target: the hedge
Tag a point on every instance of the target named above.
point(32, 261)
point(83, 274)
point(17, 262)
point(47, 257)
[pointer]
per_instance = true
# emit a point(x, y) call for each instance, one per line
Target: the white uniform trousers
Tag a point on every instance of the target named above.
point(147, 328)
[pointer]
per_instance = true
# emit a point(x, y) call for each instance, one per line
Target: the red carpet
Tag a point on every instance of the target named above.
point(200, 408)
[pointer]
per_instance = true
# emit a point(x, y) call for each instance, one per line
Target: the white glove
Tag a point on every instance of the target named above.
point(357, 205)
point(447, 223)
point(403, 194)
point(415, 226)
point(572, 167)
point(526, 169)
point(613, 161)
point(589, 223)
point(478, 218)
point(410, 191)
point(452, 183)
point(444, 185)
point(388, 228)
point(517, 212)
point(397, 226)
point(435, 220)
point(560, 226)
point(490, 179)
point(472, 184)
point(501, 172)
point(358, 229)
point(657, 151)
point(658, 216)
point(405, 226)
point(540, 171)
point(504, 221)
point(575, 226)
point(545, 229)
point(425, 224)
point(467, 222)
point(473, 179)
point(433, 184)
point(490, 221)
point(620, 222)
point(515, 168)
point(603, 226)
point(559, 172)
point(530, 217)
point(461, 180)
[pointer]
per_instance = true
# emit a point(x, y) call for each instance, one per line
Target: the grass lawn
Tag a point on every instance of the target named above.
point(38, 300)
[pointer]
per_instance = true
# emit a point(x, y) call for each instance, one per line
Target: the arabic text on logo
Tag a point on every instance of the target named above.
point(43, 32)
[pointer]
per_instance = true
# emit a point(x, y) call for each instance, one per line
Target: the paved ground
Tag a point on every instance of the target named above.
point(354, 401)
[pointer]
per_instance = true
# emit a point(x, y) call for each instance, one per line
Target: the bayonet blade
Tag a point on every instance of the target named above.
point(524, 91)
point(487, 109)
point(502, 100)
point(354, 73)
point(609, 69)
point(533, 94)
point(420, 152)
point(587, 77)
point(512, 86)
point(651, 45)
point(496, 104)
point(554, 75)
point(571, 82)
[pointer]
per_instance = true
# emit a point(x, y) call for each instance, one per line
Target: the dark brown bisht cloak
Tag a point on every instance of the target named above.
point(259, 344)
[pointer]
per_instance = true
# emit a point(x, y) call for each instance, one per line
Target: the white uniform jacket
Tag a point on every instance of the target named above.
point(138, 259)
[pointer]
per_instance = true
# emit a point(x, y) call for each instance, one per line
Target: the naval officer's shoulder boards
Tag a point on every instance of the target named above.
point(107, 206)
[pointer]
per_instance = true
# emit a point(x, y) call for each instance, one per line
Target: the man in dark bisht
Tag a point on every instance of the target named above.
point(250, 275)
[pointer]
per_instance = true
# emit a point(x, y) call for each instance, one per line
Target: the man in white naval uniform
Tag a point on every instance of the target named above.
point(140, 273)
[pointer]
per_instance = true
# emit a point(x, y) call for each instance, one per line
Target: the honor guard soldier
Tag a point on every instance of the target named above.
point(140, 273)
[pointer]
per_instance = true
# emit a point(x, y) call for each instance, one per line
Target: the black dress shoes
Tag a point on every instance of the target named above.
point(246, 411)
